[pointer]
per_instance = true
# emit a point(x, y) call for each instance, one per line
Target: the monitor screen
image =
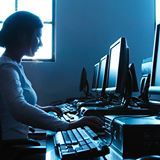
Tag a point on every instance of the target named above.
point(118, 66)
point(155, 71)
point(102, 73)
point(95, 76)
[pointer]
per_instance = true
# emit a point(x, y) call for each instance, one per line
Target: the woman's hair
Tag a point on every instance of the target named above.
point(16, 24)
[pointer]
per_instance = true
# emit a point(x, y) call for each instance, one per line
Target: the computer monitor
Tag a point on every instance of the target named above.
point(154, 87)
point(118, 67)
point(95, 77)
point(103, 65)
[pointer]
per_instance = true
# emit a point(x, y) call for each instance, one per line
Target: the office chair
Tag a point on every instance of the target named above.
point(21, 149)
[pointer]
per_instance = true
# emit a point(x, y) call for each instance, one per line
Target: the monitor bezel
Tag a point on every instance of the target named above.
point(105, 73)
point(152, 88)
point(95, 89)
point(123, 66)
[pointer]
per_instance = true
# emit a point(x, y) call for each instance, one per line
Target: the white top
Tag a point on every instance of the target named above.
point(18, 104)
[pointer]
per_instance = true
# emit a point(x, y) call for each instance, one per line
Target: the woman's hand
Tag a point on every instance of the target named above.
point(93, 122)
point(52, 109)
point(56, 109)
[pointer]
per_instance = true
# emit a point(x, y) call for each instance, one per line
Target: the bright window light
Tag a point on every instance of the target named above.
point(1, 48)
point(7, 7)
point(157, 11)
point(44, 51)
point(42, 8)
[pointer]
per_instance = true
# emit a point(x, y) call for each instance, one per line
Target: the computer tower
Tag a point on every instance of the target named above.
point(134, 136)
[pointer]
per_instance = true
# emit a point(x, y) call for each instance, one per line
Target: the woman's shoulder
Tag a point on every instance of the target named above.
point(7, 63)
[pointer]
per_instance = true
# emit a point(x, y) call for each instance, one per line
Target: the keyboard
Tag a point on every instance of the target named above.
point(115, 110)
point(79, 143)
point(68, 108)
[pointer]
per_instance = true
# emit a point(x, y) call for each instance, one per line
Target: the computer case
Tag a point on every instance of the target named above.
point(134, 136)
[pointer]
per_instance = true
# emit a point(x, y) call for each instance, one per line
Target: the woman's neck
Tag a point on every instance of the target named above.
point(13, 54)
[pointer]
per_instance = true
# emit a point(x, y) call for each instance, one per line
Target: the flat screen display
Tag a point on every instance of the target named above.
point(102, 70)
point(155, 71)
point(95, 76)
point(117, 67)
point(114, 65)
point(157, 67)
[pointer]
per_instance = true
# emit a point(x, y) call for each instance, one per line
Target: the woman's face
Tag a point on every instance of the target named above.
point(35, 42)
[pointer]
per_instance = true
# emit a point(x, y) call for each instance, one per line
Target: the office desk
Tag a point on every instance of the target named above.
point(145, 129)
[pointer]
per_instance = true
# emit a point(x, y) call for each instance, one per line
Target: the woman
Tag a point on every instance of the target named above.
point(21, 35)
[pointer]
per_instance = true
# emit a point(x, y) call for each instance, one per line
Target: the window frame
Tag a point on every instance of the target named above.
point(52, 22)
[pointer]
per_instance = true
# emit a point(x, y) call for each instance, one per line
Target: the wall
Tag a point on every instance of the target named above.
point(84, 31)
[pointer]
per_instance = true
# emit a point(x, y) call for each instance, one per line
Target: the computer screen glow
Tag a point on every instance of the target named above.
point(95, 76)
point(157, 69)
point(114, 65)
point(102, 73)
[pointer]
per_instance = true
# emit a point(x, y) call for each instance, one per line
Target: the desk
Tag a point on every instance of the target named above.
point(147, 129)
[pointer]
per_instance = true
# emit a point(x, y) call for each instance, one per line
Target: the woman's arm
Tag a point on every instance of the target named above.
point(12, 94)
point(55, 109)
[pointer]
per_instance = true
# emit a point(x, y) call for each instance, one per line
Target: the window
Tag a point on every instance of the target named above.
point(45, 10)
point(157, 11)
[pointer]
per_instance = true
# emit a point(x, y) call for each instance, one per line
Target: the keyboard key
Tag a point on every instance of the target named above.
point(83, 133)
point(72, 137)
point(59, 139)
point(66, 137)
point(91, 133)
point(64, 148)
point(92, 146)
point(82, 143)
point(77, 135)
point(85, 147)
point(66, 118)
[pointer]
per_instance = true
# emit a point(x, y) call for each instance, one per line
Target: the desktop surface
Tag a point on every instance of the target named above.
point(127, 128)
point(135, 138)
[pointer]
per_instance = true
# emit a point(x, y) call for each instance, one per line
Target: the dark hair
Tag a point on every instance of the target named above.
point(17, 23)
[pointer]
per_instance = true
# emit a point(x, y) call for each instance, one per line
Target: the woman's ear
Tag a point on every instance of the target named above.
point(24, 43)
point(21, 39)
point(24, 38)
